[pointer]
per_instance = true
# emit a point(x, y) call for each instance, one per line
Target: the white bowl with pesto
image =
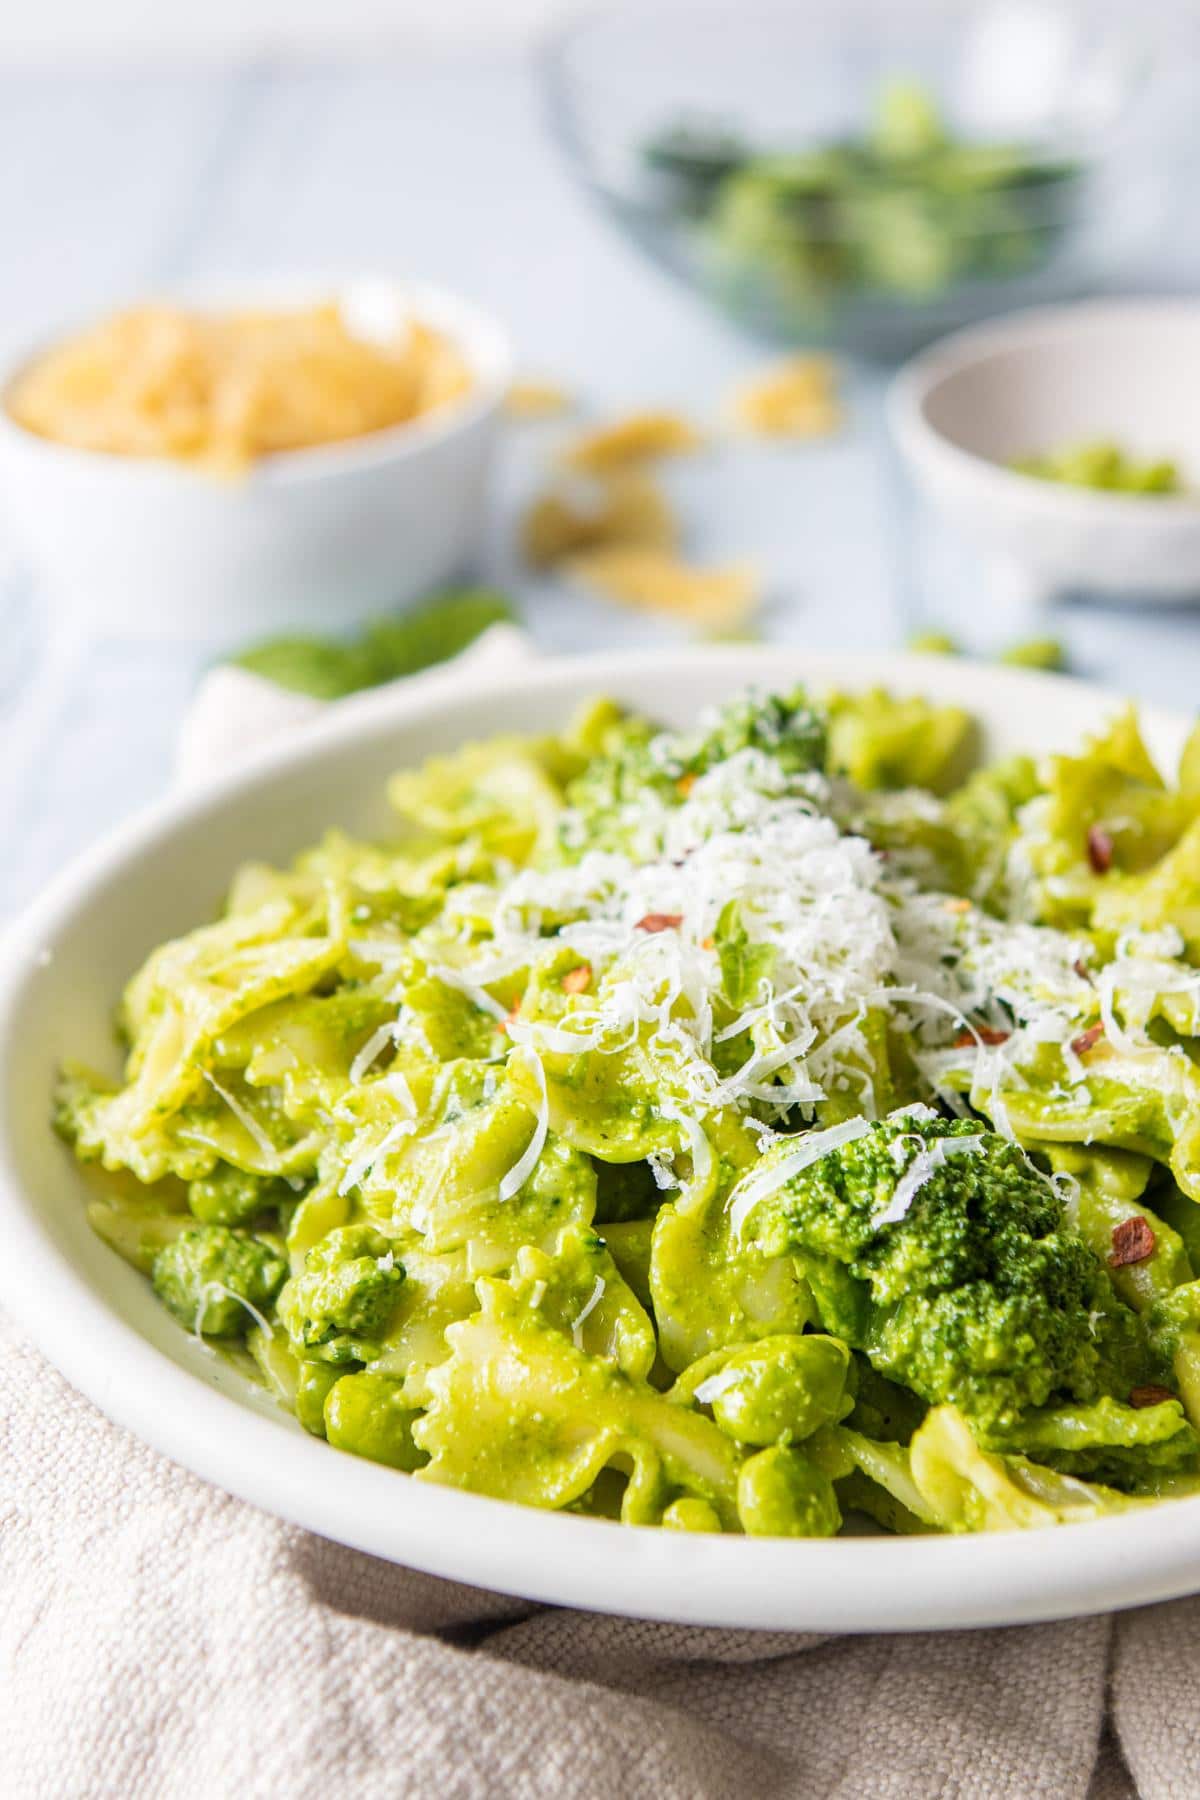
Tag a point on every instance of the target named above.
point(62, 968)
point(1114, 371)
point(320, 537)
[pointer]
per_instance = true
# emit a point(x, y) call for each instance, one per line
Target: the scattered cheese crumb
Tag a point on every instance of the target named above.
point(629, 510)
point(713, 1386)
point(533, 399)
point(655, 580)
point(590, 1305)
point(527, 1162)
point(639, 438)
point(796, 398)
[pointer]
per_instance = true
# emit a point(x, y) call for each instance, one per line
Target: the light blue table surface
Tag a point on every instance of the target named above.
point(116, 184)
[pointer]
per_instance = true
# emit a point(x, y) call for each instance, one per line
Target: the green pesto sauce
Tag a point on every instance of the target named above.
point(714, 1129)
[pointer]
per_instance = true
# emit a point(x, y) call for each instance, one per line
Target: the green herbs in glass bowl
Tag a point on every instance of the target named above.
point(846, 177)
point(905, 209)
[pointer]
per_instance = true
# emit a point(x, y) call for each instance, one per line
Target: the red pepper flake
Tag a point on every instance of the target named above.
point(513, 1010)
point(1150, 1395)
point(685, 784)
point(708, 943)
point(981, 1034)
point(1082, 970)
point(576, 980)
point(1099, 849)
point(659, 922)
point(1087, 1040)
point(1132, 1242)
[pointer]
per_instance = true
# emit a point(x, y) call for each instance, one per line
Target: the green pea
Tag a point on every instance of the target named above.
point(1156, 478)
point(1035, 653)
point(934, 643)
point(1103, 466)
point(782, 1494)
point(691, 1515)
point(313, 1384)
point(781, 1388)
point(366, 1415)
point(1093, 465)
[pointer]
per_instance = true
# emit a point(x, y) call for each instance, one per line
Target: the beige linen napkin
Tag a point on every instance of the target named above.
point(161, 1641)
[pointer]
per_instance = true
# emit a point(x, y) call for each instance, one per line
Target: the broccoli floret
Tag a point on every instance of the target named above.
point(210, 1277)
point(616, 777)
point(1175, 1319)
point(938, 1249)
point(231, 1196)
point(639, 760)
point(76, 1095)
point(337, 1309)
point(1035, 653)
point(786, 727)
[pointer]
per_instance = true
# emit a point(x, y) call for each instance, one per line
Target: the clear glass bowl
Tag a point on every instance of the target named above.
point(865, 177)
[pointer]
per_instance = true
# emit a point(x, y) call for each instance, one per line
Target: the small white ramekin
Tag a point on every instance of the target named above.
point(1123, 371)
point(309, 538)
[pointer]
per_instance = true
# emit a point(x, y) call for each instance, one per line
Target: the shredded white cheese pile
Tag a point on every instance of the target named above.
point(846, 935)
point(851, 939)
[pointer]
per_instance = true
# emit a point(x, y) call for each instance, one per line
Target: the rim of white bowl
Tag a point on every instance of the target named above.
point(922, 443)
point(790, 1584)
point(477, 333)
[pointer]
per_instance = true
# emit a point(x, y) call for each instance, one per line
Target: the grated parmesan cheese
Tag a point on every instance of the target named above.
point(217, 1290)
point(525, 1164)
point(713, 1386)
point(478, 995)
point(378, 1041)
point(590, 1304)
point(244, 1117)
point(364, 1164)
point(845, 938)
point(697, 1143)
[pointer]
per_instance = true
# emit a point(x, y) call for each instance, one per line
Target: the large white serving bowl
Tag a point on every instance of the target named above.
point(97, 1320)
point(321, 537)
point(1123, 371)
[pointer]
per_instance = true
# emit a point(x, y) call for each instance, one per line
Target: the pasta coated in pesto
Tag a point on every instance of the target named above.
point(727, 1130)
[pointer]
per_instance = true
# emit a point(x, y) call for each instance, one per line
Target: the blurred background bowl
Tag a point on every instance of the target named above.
point(321, 537)
point(1123, 371)
point(729, 142)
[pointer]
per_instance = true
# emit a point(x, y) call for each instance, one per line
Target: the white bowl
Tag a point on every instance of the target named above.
point(320, 537)
point(1126, 371)
point(61, 973)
